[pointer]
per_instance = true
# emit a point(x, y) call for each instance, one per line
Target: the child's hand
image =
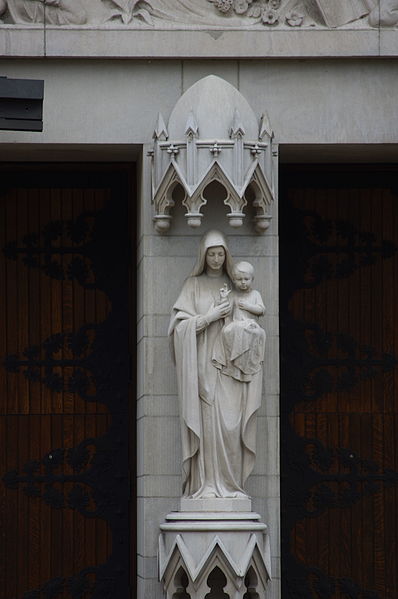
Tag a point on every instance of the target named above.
point(224, 292)
point(243, 304)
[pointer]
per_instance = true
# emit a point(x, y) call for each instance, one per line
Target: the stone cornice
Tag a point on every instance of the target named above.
point(148, 43)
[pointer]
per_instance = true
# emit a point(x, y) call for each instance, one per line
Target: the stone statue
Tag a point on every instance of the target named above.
point(219, 392)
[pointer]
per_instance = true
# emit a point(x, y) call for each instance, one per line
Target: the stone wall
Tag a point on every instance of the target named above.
point(308, 102)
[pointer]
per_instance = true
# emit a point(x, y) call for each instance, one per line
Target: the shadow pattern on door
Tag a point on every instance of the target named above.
point(66, 385)
point(339, 384)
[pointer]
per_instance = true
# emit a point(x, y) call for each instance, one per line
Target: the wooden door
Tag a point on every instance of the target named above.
point(65, 257)
point(339, 383)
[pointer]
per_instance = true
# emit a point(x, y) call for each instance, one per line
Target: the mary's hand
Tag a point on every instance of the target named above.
point(220, 311)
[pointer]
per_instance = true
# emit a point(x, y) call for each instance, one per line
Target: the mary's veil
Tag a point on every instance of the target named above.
point(212, 239)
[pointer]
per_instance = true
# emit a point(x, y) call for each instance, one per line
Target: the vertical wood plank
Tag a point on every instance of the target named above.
point(44, 542)
point(362, 539)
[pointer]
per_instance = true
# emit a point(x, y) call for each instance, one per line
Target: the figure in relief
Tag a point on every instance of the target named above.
point(203, 13)
point(295, 13)
point(385, 15)
point(55, 12)
point(73, 12)
point(217, 409)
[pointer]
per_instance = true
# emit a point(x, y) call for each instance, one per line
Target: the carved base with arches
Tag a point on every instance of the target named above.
point(214, 555)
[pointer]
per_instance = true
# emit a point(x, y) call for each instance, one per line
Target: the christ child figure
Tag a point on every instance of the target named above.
point(241, 352)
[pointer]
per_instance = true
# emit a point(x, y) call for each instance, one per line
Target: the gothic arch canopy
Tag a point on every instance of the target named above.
point(213, 135)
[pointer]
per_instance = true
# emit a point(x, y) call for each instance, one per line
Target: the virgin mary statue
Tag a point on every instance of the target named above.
point(217, 411)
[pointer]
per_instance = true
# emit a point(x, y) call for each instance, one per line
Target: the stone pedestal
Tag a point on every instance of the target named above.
point(225, 551)
point(216, 504)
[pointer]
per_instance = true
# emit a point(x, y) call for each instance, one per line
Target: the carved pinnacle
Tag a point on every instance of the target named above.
point(265, 127)
point(160, 132)
point(237, 128)
point(191, 128)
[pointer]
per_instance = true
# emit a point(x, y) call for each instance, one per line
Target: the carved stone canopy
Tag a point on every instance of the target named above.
point(213, 135)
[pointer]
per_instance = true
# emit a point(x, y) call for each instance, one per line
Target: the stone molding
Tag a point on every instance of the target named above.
point(36, 41)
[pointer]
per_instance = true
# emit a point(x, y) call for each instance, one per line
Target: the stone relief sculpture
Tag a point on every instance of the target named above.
point(75, 12)
point(129, 11)
point(218, 348)
point(386, 15)
point(207, 13)
point(295, 13)
point(56, 12)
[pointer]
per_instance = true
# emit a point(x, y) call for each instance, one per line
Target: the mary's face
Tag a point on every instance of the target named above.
point(215, 257)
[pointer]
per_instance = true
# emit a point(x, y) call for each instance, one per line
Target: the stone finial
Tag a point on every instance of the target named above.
point(237, 128)
point(160, 132)
point(265, 127)
point(191, 127)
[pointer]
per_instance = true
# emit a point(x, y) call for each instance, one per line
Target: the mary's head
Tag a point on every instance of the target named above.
point(214, 256)
point(215, 259)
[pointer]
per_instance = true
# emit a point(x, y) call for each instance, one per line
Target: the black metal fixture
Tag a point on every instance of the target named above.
point(21, 104)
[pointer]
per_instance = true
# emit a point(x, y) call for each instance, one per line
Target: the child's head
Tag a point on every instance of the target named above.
point(243, 275)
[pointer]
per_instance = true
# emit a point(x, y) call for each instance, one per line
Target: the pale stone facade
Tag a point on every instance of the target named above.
point(327, 78)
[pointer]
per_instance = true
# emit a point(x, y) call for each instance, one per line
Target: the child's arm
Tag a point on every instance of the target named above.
point(257, 308)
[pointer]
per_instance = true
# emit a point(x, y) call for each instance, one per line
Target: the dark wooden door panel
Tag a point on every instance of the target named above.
point(339, 378)
point(65, 383)
point(43, 535)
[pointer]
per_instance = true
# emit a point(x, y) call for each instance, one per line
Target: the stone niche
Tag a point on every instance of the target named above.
point(212, 136)
point(214, 545)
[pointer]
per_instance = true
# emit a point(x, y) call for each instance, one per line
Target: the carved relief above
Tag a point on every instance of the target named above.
point(55, 12)
point(207, 13)
point(75, 12)
point(297, 13)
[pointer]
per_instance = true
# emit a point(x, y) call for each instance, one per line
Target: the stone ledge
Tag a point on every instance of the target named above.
point(121, 42)
point(21, 42)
